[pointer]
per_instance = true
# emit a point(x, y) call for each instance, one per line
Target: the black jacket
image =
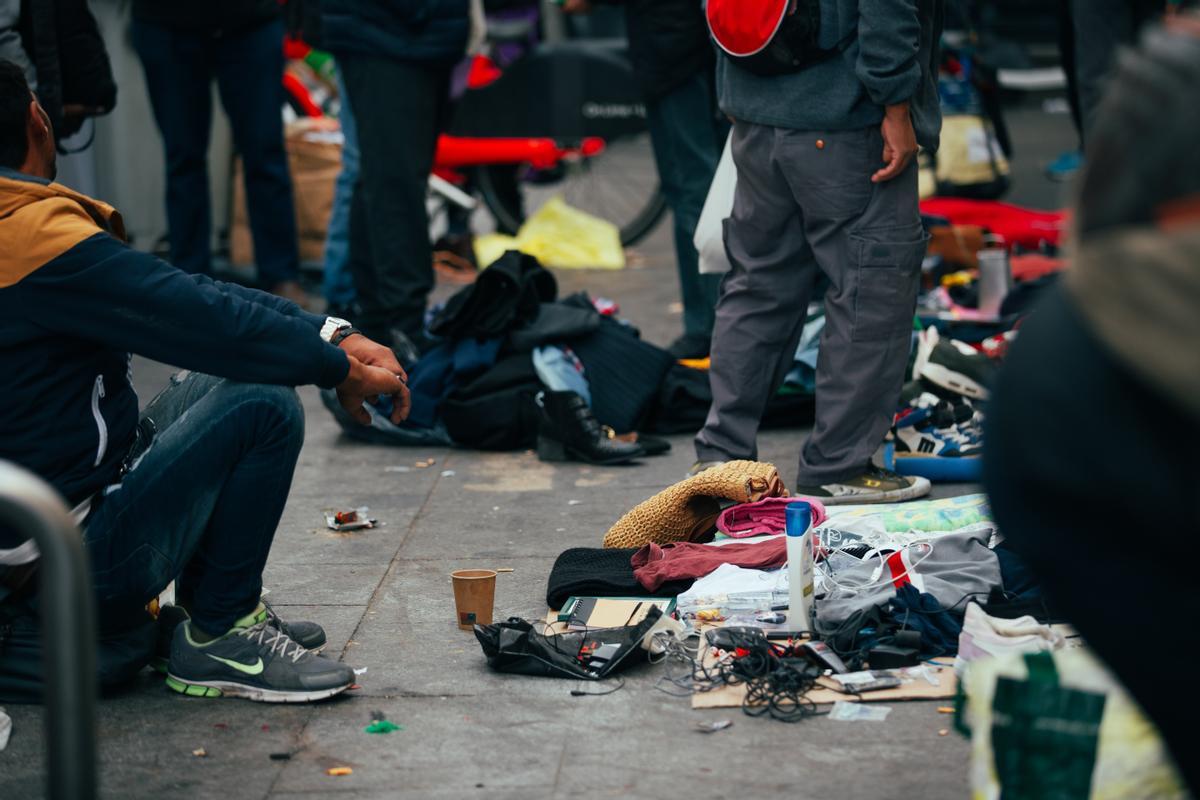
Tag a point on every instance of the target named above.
point(206, 15)
point(426, 31)
point(668, 42)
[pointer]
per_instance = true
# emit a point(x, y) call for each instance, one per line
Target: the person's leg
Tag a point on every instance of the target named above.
point(1101, 27)
point(178, 73)
point(868, 240)
point(249, 68)
point(686, 154)
point(763, 299)
point(207, 496)
point(1099, 496)
point(398, 111)
point(338, 284)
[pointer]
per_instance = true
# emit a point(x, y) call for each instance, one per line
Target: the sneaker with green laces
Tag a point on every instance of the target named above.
point(257, 661)
point(874, 485)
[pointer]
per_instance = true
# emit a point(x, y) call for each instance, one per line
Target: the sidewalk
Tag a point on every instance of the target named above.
point(384, 597)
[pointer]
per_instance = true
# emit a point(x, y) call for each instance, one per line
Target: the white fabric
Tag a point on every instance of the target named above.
point(709, 238)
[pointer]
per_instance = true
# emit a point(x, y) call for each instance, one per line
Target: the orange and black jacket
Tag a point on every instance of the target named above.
point(76, 301)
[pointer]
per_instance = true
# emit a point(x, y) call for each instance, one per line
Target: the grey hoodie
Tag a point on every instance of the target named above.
point(893, 58)
point(11, 48)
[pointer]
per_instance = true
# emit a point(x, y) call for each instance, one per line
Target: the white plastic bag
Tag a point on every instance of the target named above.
point(709, 238)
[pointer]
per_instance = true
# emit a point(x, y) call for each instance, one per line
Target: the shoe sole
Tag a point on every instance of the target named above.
point(954, 381)
point(920, 488)
point(255, 693)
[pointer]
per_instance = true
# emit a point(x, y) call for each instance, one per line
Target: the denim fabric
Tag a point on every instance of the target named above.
point(201, 504)
point(180, 66)
point(338, 284)
point(688, 137)
point(561, 371)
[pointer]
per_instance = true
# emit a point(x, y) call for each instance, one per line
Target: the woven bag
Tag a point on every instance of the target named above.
point(687, 511)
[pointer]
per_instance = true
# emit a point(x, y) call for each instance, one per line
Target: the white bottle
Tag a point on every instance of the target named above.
point(800, 566)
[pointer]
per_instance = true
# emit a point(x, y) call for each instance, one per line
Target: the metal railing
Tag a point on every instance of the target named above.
point(30, 507)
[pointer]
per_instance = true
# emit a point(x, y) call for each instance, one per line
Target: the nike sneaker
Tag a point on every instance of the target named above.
point(308, 635)
point(953, 365)
point(258, 662)
point(874, 485)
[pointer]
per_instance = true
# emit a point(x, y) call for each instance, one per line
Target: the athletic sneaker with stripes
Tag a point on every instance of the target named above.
point(953, 365)
point(256, 661)
point(930, 426)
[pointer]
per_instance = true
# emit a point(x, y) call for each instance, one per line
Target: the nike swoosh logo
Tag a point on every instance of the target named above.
point(250, 669)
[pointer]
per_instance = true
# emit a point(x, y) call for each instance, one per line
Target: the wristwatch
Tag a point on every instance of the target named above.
point(335, 329)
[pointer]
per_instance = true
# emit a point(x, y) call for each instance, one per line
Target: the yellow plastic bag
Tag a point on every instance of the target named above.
point(558, 235)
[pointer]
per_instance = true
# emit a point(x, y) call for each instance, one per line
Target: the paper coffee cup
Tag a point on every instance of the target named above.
point(474, 596)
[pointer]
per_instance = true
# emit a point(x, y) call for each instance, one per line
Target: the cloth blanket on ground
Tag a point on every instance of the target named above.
point(441, 370)
point(654, 565)
point(600, 572)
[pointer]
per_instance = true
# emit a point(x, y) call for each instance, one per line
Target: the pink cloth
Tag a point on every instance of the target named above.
point(653, 565)
point(765, 517)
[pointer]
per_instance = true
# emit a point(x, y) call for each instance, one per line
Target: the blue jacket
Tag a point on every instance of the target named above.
point(405, 30)
point(75, 301)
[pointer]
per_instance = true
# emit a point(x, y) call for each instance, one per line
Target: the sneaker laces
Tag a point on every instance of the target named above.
point(267, 635)
point(274, 619)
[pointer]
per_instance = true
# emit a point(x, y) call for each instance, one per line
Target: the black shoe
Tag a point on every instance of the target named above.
point(569, 432)
point(653, 445)
point(690, 345)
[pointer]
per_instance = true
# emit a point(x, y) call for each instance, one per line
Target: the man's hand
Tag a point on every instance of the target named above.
point(577, 6)
point(365, 383)
point(899, 142)
point(374, 354)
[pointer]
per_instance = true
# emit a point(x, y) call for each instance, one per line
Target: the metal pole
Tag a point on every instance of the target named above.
point(28, 506)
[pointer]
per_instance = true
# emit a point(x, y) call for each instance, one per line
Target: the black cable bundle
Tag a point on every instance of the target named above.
point(782, 692)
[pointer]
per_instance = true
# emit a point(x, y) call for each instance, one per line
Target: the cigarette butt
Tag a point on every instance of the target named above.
point(945, 709)
point(944, 732)
point(504, 569)
point(339, 771)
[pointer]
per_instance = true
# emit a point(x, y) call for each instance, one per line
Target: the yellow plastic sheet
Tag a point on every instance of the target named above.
point(559, 235)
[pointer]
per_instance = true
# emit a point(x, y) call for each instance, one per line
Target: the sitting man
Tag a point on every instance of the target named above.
point(193, 490)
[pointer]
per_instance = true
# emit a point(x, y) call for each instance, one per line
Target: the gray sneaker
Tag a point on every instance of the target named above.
point(259, 662)
point(874, 485)
point(701, 466)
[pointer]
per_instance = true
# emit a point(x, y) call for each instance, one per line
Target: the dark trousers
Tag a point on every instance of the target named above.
point(1102, 27)
point(1092, 478)
point(399, 109)
point(688, 137)
point(805, 206)
point(201, 504)
point(248, 66)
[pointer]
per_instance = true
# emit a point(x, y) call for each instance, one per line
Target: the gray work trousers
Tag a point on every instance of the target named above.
point(805, 202)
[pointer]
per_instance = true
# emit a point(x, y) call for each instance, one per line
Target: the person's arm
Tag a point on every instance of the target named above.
point(279, 304)
point(889, 41)
point(103, 291)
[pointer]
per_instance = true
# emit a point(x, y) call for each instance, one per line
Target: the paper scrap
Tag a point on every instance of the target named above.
point(714, 726)
point(200, 752)
point(5, 728)
point(448, 473)
point(845, 711)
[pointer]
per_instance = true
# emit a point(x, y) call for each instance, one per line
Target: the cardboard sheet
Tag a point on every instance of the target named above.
point(733, 696)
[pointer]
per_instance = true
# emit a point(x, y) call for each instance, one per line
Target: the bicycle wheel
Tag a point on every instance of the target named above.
point(620, 185)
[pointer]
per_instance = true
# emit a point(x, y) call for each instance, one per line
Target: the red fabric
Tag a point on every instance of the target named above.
point(743, 27)
point(653, 565)
point(1015, 224)
point(899, 569)
point(1031, 266)
point(764, 517)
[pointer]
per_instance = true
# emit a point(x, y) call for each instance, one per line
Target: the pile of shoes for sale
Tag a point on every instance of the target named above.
point(938, 429)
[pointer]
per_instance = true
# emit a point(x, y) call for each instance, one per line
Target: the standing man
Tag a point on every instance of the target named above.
point(395, 61)
point(673, 61)
point(183, 47)
point(827, 182)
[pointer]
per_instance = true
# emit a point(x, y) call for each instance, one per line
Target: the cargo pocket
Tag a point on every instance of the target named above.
point(887, 271)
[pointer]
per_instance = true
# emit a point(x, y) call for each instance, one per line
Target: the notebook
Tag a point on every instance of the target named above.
point(582, 613)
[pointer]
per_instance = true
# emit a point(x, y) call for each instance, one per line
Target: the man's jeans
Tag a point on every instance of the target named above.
point(338, 284)
point(688, 138)
point(399, 108)
point(201, 504)
point(248, 67)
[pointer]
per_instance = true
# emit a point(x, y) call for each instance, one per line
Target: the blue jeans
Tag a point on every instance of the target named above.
point(338, 284)
point(180, 67)
point(688, 137)
point(201, 504)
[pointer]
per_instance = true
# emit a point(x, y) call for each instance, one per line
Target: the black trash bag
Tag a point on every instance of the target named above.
point(518, 647)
